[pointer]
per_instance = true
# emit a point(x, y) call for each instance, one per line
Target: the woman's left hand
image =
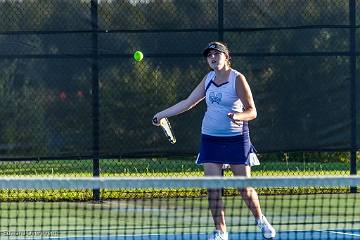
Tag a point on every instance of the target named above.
point(231, 116)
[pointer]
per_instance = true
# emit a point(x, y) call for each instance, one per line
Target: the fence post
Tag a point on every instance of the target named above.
point(352, 38)
point(221, 20)
point(95, 95)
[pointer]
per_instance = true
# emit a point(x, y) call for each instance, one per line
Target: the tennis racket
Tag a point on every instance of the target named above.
point(166, 127)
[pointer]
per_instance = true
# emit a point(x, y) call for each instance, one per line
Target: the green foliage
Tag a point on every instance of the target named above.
point(23, 109)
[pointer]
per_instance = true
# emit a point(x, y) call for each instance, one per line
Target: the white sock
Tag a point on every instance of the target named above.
point(259, 219)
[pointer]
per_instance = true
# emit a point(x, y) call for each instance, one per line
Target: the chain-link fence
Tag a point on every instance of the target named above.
point(74, 102)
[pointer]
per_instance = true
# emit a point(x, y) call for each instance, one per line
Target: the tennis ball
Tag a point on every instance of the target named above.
point(138, 56)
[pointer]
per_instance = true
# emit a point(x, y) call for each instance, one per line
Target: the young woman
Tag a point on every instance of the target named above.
point(225, 133)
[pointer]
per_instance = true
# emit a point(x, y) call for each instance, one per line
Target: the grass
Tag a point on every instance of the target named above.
point(159, 167)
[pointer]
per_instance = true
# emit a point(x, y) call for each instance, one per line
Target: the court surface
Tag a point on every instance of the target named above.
point(165, 216)
point(284, 235)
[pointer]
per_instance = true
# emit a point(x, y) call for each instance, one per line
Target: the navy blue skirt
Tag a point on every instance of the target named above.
point(227, 150)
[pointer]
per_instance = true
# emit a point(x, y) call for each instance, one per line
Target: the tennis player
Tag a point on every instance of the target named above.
point(225, 136)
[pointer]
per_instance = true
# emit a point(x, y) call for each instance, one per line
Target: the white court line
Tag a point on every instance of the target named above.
point(329, 231)
point(341, 233)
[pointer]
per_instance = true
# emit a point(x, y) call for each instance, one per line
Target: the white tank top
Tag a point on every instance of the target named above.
point(220, 100)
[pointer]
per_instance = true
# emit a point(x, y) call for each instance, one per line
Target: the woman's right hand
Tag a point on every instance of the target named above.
point(156, 119)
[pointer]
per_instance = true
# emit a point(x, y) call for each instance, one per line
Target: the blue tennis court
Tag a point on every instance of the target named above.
point(283, 235)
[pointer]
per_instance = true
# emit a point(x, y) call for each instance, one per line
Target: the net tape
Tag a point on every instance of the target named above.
point(166, 182)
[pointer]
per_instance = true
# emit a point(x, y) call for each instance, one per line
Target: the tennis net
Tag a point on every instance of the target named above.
point(175, 208)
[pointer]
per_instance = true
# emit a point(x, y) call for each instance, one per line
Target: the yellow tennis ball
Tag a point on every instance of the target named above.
point(138, 56)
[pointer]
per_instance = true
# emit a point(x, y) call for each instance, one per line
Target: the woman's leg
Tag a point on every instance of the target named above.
point(251, 199)
point(249, 194)
point(214, 195)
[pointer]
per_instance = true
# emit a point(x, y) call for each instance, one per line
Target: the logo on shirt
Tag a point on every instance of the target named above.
point(215, 97)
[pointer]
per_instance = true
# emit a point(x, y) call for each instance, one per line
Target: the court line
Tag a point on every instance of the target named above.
point(341, 233)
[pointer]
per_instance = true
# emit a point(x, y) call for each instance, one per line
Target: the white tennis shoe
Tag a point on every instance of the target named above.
point(218, 235)
point(267, 230)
